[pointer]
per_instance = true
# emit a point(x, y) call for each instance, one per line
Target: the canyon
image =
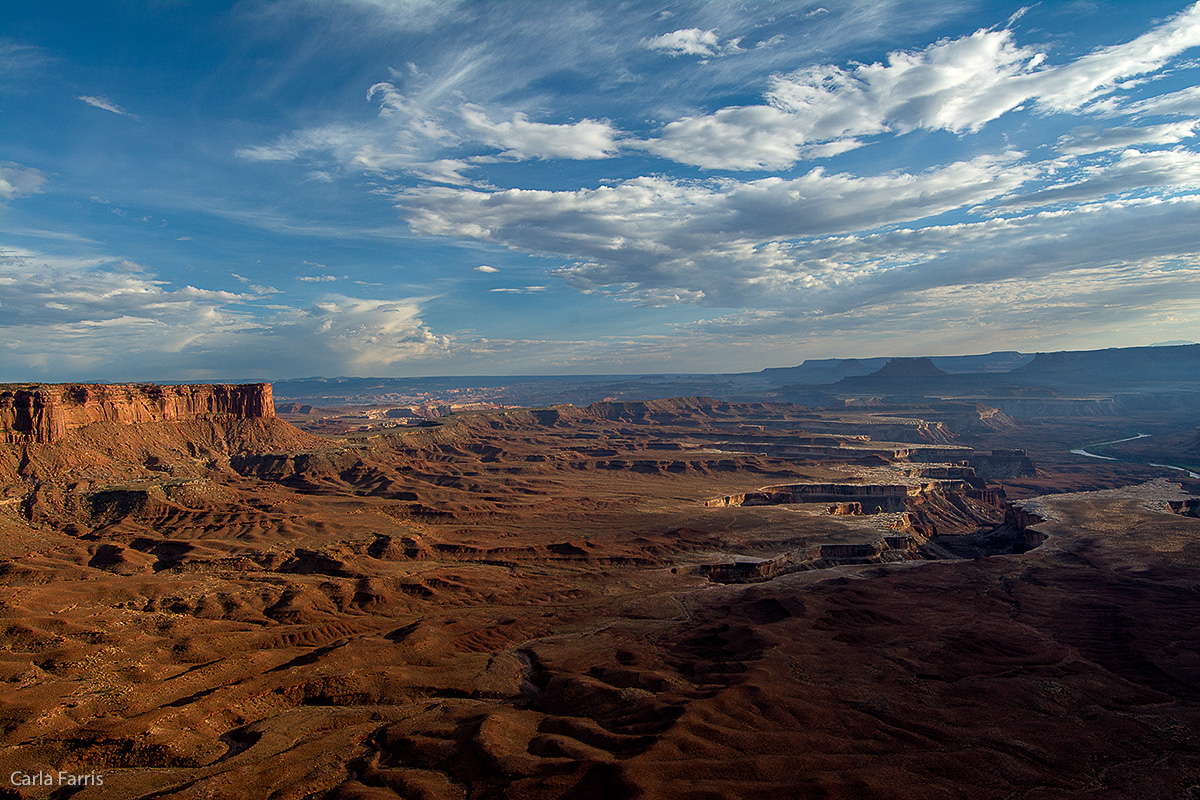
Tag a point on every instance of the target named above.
point(204, 596)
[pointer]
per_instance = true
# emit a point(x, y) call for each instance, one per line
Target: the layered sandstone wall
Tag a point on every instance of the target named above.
point(44, 413)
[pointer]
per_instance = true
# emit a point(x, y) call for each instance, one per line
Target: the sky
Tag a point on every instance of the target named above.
point(273, 189)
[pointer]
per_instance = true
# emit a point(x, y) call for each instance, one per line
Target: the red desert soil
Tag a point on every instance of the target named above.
point(524, 604)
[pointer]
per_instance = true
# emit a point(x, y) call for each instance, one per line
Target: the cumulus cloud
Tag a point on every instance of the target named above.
point(692, 42)
point(485, 268)
point(18, 181)
point(85, 312)
point(770, 244)
point(115, 319)
point(368, 334)
point(521, 139)
point(105, 104)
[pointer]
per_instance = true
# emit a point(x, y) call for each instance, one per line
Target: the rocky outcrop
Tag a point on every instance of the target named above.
point(900, 547)
point(45, 413)
point(871, 498)
point(1003, 464)
point(1187, 508)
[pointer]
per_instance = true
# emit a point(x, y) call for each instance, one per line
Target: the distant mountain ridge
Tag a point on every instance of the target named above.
point(816, 371)
point(815, 382)
point(1116, 365)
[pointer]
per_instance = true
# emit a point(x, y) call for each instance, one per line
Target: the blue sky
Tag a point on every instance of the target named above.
point(207, 191)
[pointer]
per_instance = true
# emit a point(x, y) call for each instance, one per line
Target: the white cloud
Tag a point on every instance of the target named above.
point(18, 181)
point(318, 278)
point(105, 104)
point(1073, 86)
point(698, 240)
point(522, 139)
point(369, 334)
point(816, 249)
point(342, 140)
point(440, 127)
point(1113, 238)
point(1133, 171)
point(20, 59)
point(86, 311)
point(115, 320)
point(413, 133)
point(1087, 139)
point(521, 290)
point(691, 42)
point(1184, 101)
point(1094, 273)
point(956, 85)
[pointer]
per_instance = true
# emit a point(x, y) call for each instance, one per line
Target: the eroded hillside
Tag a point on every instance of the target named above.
point(676, 598)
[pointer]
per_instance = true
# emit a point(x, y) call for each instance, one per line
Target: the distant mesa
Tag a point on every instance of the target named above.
point(909, 368)
point(816, 371)
point(45, 413)
point(293, 408)
point(903, 375)
point(1115, 366)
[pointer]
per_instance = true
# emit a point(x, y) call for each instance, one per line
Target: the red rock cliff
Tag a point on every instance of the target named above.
point(46, 412)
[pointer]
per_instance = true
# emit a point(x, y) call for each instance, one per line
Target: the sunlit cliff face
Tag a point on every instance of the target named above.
point(44, 414)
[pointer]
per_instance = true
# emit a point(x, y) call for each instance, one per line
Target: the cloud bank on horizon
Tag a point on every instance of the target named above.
point(389, 187)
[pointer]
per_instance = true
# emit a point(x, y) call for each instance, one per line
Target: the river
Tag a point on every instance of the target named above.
point(1079, 451)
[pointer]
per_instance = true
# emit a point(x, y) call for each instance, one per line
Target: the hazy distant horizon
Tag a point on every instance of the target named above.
point(532, 377)
point(419, 188)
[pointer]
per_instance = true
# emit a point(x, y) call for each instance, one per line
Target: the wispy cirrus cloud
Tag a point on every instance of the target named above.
point(956, 85)
point(104, 104)
point(410, 136)
point(520, 289)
